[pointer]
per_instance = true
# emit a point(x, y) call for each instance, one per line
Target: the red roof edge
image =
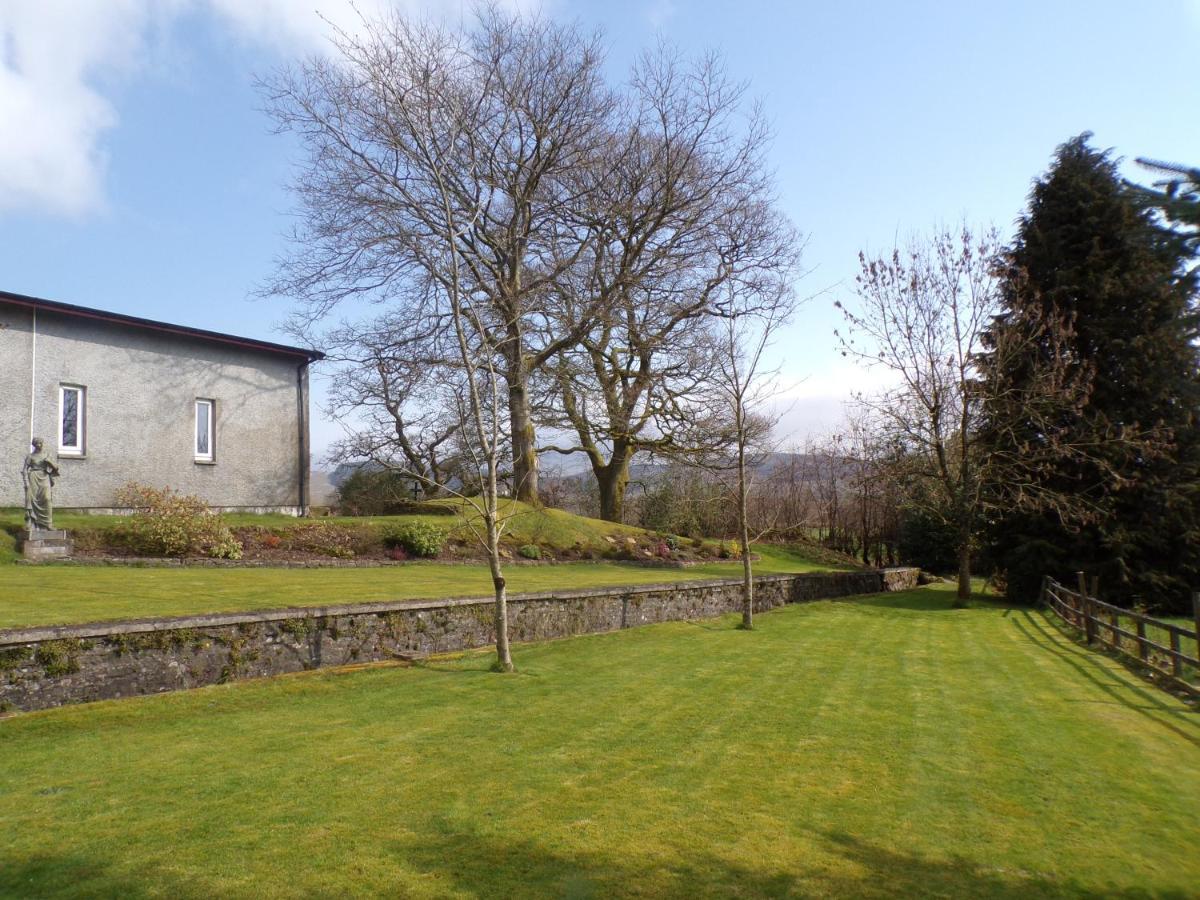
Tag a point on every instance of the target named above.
point(85, 312)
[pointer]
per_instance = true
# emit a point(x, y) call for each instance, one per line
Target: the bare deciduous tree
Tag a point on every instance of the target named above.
point(926, 315)
point(393, 393)
point(684, 208)
point(404, 194)
point(500, 127)
point(870, 458)
point(922, 313)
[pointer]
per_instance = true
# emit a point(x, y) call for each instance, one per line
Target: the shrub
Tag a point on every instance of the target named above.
point(168, 523)
point(672, 541)
point(399, 554)
point(330, 539)
point(366, 493)
point(384, 493)
point(417, 538)
point(662, 550)
point(225, 547)
point(530, 551)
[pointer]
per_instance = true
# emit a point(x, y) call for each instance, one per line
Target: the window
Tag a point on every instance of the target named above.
point(71, 419)
point(205, 413)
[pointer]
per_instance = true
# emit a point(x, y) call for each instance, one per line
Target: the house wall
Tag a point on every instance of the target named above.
point(140, 406)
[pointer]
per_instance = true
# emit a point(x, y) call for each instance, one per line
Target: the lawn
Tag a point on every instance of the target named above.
point(56, 594)
point(889, 746)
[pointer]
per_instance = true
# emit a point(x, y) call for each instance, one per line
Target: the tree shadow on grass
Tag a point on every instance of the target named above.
point(79, 875)
point(477, 671)
point(451, 859)
point(1090, 664)
point(924, 599)
point(496, 866)
point(715, 624)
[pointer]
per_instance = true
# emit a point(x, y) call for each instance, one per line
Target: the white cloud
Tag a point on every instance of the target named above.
point(59, 60)
point(305, 24)
point(292, 24)
point(52, 54)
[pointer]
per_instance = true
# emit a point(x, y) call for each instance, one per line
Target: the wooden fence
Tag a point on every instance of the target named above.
point(1102, 623)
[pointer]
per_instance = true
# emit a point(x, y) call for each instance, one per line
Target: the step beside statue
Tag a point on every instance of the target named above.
point(40, 540)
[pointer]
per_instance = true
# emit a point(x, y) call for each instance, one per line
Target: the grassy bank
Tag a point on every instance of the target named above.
point(50, 595)
point(886, 747)
point(554, 531)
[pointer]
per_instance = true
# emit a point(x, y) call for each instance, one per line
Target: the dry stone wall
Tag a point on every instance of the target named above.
point(47, 667)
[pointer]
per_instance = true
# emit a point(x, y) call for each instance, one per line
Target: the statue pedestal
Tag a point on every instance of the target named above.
point(39, 545)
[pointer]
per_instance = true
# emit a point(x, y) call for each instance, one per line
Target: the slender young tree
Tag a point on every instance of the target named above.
point(925, 315)
point(746, 387)
point(402, 130)
point(919, 317)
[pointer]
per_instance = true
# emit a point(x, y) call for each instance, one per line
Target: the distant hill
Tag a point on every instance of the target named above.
point(806, 466)
point(322, 491)
point(325, 484)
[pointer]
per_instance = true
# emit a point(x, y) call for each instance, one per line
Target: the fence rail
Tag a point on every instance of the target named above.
point(1102, 623)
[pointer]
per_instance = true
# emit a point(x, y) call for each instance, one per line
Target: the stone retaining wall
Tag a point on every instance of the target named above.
point(174, 562)
point(52, 666)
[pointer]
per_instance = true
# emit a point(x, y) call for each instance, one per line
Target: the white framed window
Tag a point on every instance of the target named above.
point(72, 419)
point(205, 443)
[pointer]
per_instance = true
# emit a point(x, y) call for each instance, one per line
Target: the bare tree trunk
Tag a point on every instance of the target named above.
point(524, 441)
point(612, 479)
point(503, 656)
point(744, 537)
point(491, 522)
point(964, 571)
point(747, 583)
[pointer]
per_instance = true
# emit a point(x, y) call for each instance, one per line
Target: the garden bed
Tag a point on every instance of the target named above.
point(318, 562)
point(534, 534)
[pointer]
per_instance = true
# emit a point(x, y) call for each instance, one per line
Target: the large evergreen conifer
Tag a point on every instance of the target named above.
point(1176, 195)
point(1088, 251)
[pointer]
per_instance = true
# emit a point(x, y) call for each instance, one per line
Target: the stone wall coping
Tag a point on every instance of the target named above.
point(11, 636)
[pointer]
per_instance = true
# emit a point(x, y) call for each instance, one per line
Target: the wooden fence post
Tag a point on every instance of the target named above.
point(1088, 616)
point(1094, 594)
point(1196, 616)
point(1085, 612)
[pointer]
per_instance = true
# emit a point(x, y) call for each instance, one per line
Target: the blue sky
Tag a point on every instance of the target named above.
point(137, 174)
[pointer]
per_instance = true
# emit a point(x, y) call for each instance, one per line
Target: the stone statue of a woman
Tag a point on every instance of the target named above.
point(38, 473)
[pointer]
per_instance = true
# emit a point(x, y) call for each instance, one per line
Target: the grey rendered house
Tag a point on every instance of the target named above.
point(118, 398)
